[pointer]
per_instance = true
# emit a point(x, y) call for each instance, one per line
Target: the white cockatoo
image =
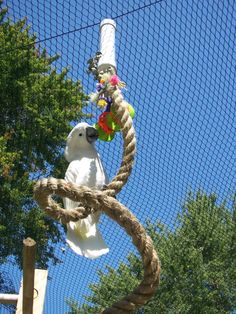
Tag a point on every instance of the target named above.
point(86, 169)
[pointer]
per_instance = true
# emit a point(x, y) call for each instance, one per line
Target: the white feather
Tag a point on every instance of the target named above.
point(85, 168)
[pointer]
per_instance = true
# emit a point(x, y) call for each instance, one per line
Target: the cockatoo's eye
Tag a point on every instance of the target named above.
point(80, 134)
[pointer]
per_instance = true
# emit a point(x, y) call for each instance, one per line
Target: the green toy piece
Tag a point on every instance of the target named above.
point(108, 124)
point(102, 135)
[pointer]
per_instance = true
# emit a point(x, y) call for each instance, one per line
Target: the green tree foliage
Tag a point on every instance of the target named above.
point(198, 259)
point(37, 104)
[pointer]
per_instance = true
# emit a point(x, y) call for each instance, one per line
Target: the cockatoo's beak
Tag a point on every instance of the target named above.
point(91, 134)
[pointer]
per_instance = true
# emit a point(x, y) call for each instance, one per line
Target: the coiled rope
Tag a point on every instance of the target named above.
point(94, 200)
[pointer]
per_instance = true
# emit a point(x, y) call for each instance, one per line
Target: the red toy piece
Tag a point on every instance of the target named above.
point(103, 122)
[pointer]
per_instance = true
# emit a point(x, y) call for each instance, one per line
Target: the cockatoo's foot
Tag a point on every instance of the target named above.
point(104, 189)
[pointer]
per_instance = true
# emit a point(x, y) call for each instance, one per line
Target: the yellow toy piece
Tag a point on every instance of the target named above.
point(102, 103)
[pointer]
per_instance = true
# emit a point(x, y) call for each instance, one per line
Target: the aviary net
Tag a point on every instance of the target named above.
point(177, 60)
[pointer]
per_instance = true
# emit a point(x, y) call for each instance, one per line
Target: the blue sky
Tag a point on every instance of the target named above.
point(177, 60)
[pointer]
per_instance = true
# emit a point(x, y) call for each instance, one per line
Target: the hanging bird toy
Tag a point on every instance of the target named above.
point(108, 123)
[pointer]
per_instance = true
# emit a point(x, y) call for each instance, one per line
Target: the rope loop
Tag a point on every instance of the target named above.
point(94, 200)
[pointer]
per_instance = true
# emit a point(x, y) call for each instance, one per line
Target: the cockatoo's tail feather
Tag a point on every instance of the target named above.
point(91, 246)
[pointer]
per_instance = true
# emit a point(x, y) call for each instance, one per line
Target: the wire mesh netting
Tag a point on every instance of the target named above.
point(177, 59)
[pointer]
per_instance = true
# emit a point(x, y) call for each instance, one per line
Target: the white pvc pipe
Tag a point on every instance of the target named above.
point(8, 298)
point(107, 45)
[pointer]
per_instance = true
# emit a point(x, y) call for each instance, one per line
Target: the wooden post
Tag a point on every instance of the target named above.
point(30, 299)
point(29, 250)
point(40, 283)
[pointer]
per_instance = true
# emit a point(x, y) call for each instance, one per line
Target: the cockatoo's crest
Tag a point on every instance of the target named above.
point(80, 140)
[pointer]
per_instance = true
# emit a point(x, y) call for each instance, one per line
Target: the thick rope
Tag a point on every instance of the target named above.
point(94, 200)
point(129, 147)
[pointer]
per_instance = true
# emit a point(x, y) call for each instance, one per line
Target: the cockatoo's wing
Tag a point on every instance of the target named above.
point(70, 176)
point(83, 236)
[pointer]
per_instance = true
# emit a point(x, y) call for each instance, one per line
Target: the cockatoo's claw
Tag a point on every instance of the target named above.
point(104, 187)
